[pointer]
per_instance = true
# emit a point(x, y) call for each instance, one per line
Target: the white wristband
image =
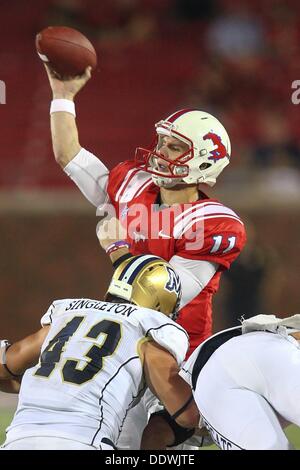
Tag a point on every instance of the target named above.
point(4, 344)
point(67, 106)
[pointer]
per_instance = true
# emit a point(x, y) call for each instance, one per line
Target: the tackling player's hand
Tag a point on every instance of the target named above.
point(67, 88)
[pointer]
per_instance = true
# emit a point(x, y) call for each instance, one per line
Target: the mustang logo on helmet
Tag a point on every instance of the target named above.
point(220, 151)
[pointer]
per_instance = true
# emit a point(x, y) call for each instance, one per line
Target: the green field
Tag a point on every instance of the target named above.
point(292, 432)
point(5, 419)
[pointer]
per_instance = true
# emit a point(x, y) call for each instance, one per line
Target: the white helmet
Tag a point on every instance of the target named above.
point(208, 153)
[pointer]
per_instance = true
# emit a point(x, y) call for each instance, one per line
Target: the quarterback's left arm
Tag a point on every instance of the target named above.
point(194, 276)
point(204, 249)
point(112, 238)
point(16, 358)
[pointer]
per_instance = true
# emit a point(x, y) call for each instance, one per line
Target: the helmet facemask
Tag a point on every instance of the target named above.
point(165, 172)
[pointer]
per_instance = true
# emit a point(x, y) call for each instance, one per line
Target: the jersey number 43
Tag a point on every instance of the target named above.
point(50, 358)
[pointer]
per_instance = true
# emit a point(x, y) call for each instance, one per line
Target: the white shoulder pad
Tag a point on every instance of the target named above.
point(55, 309)
point(269, 323)
point(165, 332)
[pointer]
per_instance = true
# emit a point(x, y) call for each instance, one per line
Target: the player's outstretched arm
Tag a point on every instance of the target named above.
point(84, 168)
point(18, 357)
point(64, 131)
point(161, 373)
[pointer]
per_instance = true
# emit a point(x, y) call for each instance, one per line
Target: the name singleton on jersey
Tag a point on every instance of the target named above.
point(122, 309)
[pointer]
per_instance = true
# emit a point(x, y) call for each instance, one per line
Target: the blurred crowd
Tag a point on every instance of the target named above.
point(248, 58)
point(237, 59)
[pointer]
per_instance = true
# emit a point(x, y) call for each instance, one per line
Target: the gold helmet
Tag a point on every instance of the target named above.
point(147, 281)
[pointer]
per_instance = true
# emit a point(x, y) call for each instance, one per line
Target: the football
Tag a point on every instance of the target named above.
point(66, 50)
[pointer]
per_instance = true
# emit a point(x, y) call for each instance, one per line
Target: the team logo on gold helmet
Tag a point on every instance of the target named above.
point(147, 281)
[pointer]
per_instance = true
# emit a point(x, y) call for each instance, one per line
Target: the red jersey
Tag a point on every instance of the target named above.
point(203, 230)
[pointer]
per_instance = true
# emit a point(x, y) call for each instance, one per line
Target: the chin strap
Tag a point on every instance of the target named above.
point(162, 182)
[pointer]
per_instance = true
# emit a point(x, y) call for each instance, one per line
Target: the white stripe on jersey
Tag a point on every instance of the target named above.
point(194, 208)
point(146, 184)
point(221, 209)
point(203, 218)
point(134, 183)
point(204, 212)
point(127, 177)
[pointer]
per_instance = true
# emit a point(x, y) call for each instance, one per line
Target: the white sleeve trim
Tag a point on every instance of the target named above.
point(186, 370)
point(163, 331)
point(55, 309)
point(90, 175)
point(194, 276)
point(173, 338)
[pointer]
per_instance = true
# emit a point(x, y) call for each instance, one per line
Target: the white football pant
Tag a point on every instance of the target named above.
point(244, 385)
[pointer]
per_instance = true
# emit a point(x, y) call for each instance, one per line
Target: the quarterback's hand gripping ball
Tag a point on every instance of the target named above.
point(67, 51)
